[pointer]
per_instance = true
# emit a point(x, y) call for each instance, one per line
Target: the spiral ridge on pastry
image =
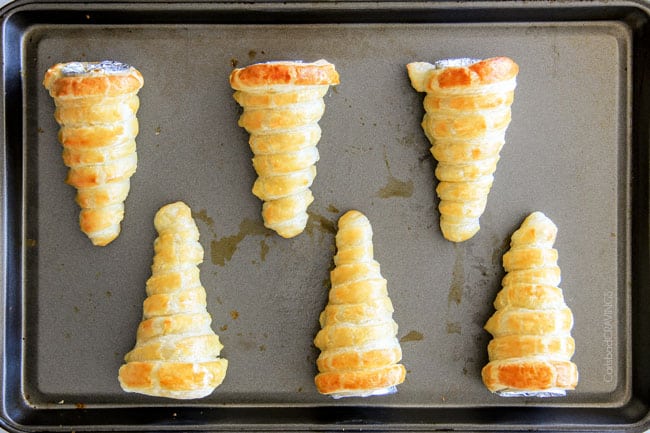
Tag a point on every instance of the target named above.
point(96, 105)
point(359, 348)
point(176, 353)
point(467, 112)
point(531, 349)
point(283, 102)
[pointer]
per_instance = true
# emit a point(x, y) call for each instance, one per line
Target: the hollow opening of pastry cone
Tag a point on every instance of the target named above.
point(282, 103)
point(467, 112)
point(455, 62)
point(360, 352)
point(96, 105)
point(377, 392)
point(553, 392)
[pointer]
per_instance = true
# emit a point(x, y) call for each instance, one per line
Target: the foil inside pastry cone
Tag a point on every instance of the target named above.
point(283, 102)
point(538, 394)
point(96, 105)
point(467, 112)
point(176, 354)
point(360, 352)
point(531, 349)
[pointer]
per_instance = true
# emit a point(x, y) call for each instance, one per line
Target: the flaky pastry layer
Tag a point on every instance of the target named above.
point(96, 105)
point(467, 112)
point(360, 353)
point(530, 353)
point(176, 353)
point(282, 104)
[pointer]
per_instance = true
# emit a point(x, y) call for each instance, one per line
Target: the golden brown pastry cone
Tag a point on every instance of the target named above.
point(283, 102)
point(467, 112)
point(176, 353)
point(530, 353)
point(359, 349)
point(96, 105)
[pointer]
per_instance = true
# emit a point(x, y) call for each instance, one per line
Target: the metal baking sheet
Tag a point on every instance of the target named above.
point(577, 149)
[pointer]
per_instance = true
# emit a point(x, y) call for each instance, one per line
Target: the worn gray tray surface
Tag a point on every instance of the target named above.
point(576, 149)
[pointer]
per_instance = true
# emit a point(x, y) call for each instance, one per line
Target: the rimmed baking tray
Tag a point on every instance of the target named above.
point(577, 149)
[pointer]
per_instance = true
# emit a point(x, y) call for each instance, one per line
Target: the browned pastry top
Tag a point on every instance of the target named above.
point(95, 82)
point(487, 71)
point(320, 72)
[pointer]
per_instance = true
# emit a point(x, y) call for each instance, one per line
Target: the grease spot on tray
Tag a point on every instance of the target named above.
point(457, 278)
point(453, 328)
point(234, 314)
point(245, 342)
point(222, 250)
point(320, 223)
point(202, 215)
point(412, 336)
point(333, 209)
point(253, 53)
point(264, 249)
point(395, 187)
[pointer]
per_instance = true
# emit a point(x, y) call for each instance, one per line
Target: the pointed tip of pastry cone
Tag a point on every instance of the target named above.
point(355, 223)
point(459, 232)
point(170, 214)
point(352, 217)
point(102, 225)
point(353, 238)
point(537, 229)
point(289, 230)
point(105, 237)
point(175, 209)
point(287, 216)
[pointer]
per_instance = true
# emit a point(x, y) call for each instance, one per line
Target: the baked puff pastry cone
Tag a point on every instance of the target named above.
point(530, 353)
point(176, 353)
point(359, 348)
point(96, 105)
point(467, 112)
point(283, 102)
